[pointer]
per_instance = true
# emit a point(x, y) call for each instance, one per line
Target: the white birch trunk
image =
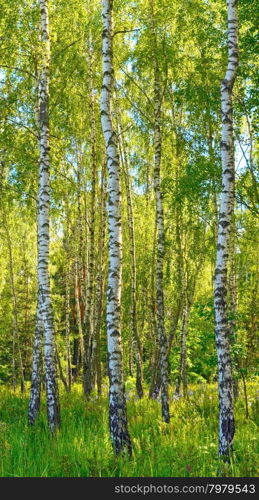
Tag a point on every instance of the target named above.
point(163, 362)
point(78, 311)
point(155, 383)
point(16, 341)
point(67, 310)
point(233, 303)
point(117, 404)
point(35, 392)
point(131, 226)
point(89, 330)
point(182, 376)
point(226, 414)
point(100, 281)
point(43, 226)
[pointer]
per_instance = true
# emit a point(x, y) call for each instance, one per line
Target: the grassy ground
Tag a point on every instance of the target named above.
point(186, 447)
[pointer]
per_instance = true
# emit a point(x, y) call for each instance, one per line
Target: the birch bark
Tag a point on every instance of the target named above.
point(226, 413)
point(233, 303)
point(89, 329)
point(16, 341)
point(78, 316)
point(67, 304)
point(117, 403)
point(68, 348)
point(155, 383)
point(131, 226)
point(182, 377)
point(100, 282)
point(45, 306)
point(163, 361)
point(35, 392)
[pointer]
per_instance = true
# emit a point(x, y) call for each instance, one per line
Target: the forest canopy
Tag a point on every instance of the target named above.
point(129, 215)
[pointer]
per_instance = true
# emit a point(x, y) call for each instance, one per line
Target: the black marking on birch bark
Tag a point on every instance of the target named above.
point(44, 299)
point(117, 404)
point(226, 417)
point(162, 340)
point(35, 392)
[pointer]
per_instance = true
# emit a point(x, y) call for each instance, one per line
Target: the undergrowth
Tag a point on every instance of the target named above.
point(187, 447)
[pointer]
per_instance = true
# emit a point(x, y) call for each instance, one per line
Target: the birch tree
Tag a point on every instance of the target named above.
point(233, 302)
point(100, 282)
point(67, 300)
point(226, 411)
point(35, 391)
point(163, 363)
point(44, 297)
point(17, 355)
point(89, 329)
point(131, 225)
point(117, 403)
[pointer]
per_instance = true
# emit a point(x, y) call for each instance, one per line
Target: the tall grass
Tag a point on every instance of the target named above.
point(187, 447)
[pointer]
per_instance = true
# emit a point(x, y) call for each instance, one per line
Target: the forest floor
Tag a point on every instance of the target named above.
point(187, 447)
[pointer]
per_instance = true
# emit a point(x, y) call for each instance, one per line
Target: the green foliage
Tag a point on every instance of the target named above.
point(191, 50)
